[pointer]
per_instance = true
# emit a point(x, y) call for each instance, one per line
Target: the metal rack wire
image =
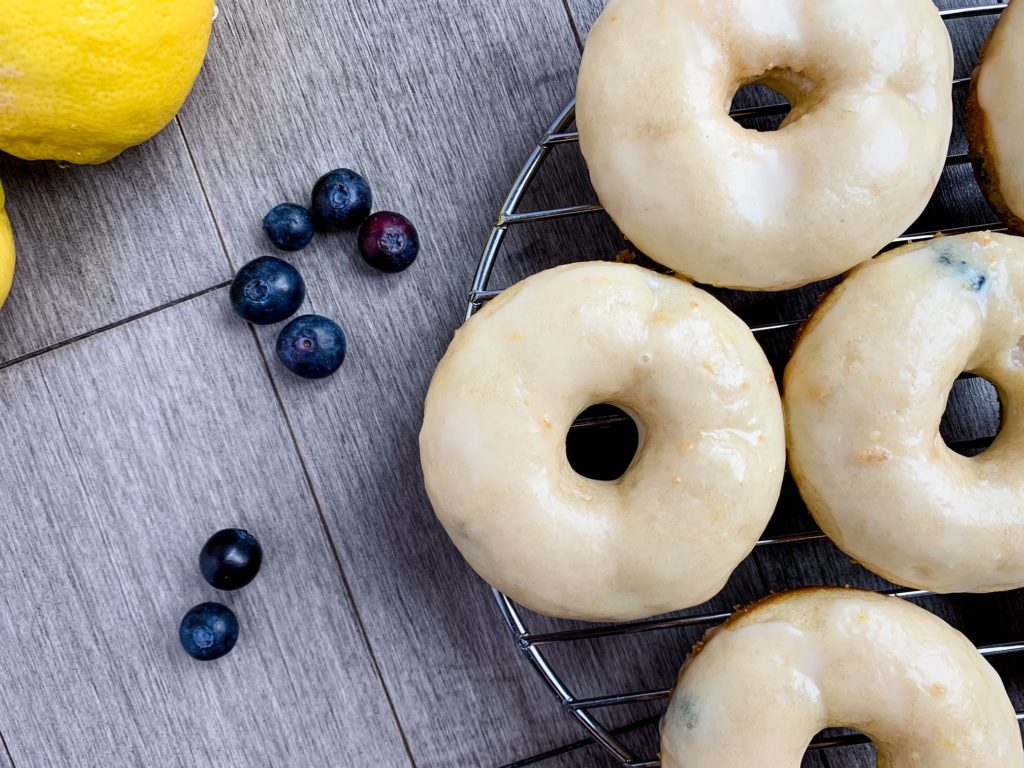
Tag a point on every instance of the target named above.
point(532, 644)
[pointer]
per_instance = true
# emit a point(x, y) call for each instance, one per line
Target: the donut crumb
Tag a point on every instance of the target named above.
point(629, 256)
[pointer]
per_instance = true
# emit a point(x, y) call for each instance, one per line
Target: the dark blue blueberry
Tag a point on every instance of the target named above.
point(388, 241)
point(267, 290)
point(208, 631)
point(230, 559)
point(312, 346)
point(341, 200)
point(289, 226)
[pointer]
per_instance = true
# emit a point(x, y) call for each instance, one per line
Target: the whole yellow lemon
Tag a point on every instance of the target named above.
point(6, 252)
point(83, 80)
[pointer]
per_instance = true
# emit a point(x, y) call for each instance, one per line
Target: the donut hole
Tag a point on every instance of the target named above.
point(602, 442)
point(973, 416)
point(758, 94)
point(855, 744)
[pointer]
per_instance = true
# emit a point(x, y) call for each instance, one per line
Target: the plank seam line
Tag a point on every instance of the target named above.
point(7, 750)
point(302, 462)
point(152, 310)
point(111, 326)
point(335, 552)
point(206, 196)
point(573, 25)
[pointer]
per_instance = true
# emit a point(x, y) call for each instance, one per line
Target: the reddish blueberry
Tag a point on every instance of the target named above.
point(388, 241)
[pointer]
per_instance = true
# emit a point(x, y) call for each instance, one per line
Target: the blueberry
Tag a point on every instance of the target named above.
point(311, 346)
point(208, 631)
point(230, 559)
point(289, 226)
point(341, 200)
point(267, 290)
point(388, 241)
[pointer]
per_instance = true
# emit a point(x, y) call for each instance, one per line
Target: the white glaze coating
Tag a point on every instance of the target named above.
point(999, 93)
point(853, 165)
point(764, 684)
point(700, 490)
point(865, 391)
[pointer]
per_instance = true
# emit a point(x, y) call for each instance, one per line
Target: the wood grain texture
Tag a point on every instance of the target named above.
point(97, 244)
point(122, 453)
point(443, 121)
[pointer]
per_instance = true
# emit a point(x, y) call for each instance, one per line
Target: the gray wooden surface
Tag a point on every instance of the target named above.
point(139, 415)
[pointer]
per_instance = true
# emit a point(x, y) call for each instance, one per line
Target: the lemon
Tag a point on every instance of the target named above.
point(6, 252)
point(83, 80)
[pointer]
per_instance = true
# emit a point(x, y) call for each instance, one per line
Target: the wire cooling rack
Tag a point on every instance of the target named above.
point(532, 644)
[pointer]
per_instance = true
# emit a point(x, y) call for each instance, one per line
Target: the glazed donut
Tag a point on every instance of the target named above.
point(852, 166)
point(865, 390)
point(698, 493)
point(762, 685)
point(995, 113)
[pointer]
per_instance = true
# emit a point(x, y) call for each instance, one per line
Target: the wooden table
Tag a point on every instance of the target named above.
point(139, 414)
